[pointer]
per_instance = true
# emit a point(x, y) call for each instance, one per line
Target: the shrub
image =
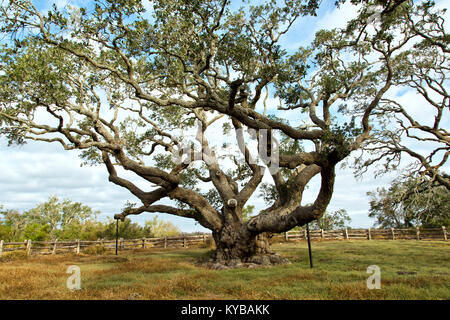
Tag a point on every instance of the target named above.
point(13, 256)
point(95, 250)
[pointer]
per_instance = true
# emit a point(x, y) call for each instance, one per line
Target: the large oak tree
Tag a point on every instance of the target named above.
point(124, 82)
point(423, 70)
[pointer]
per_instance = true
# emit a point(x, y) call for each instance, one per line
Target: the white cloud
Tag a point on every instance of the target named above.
point(303, 31)
point(30, 174)
point(338, 17)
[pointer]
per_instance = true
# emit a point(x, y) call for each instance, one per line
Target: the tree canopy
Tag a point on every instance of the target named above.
point(126, 84)
point(405, 205)
point(422, 68)
point(335, 220)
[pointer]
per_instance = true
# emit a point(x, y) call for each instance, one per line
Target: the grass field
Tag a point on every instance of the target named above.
point(409, 270)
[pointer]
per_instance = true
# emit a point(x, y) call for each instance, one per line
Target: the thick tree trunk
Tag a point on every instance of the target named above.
point(236, 246)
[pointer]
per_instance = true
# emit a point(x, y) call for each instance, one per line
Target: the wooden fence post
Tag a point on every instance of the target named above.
point(1, 247)
point(444, 232)
point(321, 233)
point(417, 233)
point(346, 234)
point(120, 243)
point(54, 246)
point(184, 241)
point(393, 233)
point(143, 243)
point(305, 234)
point(78, 246)
point(28, 247)
point(369, 236)
point(165, 242)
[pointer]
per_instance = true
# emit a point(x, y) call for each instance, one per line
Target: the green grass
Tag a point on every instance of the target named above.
point(409, 270)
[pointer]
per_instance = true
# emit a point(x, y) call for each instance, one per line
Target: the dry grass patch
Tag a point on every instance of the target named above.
point(19, 282)
point(152, 266)
point(353, 291)
point(409, 270)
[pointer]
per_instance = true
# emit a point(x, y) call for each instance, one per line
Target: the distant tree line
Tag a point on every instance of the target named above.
point(410, 203)
point(67, 220)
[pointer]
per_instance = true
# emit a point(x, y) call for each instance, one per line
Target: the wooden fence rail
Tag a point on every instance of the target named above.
point(369, 234)
point(78, 246)
point(58, 246)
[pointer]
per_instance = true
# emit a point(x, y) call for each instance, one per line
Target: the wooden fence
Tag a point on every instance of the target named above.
point(78, 246)
point(369, 234)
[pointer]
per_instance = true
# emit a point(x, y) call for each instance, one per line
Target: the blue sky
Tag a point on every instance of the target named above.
point(30, 174)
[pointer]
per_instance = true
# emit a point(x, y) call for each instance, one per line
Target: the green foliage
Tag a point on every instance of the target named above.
point(12, 224)
point(5, 232)
point(247, 212)
point(338, 139)
point(408, 204)
point(213, 198)
point(59, 214)
point(153, 228)
point(66, 220)
point(332, 220)
point(127, 230)
point(335, 220)
point(268, 192)
point(157, 228)
point(91, 157)
point(89, 230)
point(36, 232)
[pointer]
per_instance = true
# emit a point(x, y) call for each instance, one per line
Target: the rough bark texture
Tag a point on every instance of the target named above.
point(236, 247)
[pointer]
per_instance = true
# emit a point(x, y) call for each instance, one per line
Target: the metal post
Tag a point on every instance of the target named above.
point(117, 234)
point(309, 245)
